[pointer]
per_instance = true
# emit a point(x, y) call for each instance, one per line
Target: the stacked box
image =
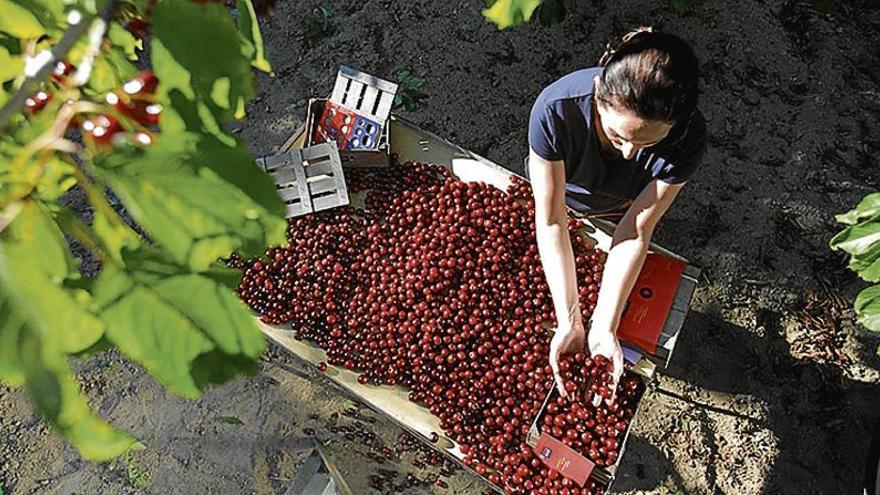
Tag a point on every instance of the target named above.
point(355, 117)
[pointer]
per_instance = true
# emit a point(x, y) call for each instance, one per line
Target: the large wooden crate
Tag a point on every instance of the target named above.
point(412, 143)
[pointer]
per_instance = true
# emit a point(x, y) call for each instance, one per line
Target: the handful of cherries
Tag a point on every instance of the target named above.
point(594, 431)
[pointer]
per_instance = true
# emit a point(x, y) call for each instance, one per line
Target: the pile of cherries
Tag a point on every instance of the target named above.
point(436, 284)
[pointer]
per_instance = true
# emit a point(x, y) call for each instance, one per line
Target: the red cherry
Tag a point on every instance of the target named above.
point(33, 104)
point(103, 130)
point(140, 28)
point(62, 70)
point(144, 84)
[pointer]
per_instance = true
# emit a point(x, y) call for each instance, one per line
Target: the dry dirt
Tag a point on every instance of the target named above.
point(773, 389)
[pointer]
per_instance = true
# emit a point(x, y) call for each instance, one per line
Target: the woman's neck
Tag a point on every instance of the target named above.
point(605, 146)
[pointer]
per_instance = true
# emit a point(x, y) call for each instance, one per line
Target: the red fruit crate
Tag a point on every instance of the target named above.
point(581, 466)
point(308, 179)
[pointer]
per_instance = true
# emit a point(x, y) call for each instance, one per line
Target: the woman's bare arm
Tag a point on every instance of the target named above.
point(629, 247)
point(557, 257)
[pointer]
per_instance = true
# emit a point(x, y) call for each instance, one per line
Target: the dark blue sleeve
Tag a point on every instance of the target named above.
point(678, 169)
point(543, 126)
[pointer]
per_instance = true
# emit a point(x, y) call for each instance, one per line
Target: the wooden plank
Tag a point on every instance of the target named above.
point(323, 185)
point(326, 202)
point(320, 168)
point(356, 75)
point(294, 210)
point(290, 194)
point(284, 176)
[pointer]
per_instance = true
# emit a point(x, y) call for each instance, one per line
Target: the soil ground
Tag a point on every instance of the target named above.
point(773, 388)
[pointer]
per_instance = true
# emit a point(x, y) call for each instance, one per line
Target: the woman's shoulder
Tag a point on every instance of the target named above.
point(573, 85)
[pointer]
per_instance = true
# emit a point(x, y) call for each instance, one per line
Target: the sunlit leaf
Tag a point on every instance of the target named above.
point(508, 13)
point(10, 65)
point(19, 21)
point(32, 355)
point(221, 74)
point(867, 307)
point(200, 199)
point(191, 320)
point(868, 207)
point(251, 37)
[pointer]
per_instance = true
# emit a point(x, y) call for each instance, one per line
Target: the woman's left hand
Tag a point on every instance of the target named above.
point(603, 342)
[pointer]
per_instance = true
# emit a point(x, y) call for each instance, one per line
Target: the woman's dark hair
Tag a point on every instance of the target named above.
point(654, 75)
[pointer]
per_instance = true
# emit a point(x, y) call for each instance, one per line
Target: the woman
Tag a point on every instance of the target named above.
point(620, 139)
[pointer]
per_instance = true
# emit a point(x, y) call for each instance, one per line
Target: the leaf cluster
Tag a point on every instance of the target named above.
point(861, 240)
point(164, 301)
point(409, 90)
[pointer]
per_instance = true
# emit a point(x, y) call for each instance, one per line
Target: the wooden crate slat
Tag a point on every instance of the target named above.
point(301, 184)
point(386, 101)
point(365, 107)
point(322, 186)
point(368, 95)
point(290, 194)
point(325, 202)
point(283, 176)
point(356, 75)
point(320, 168)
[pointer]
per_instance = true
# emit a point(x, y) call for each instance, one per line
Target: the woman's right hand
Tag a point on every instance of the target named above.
point(569, 338)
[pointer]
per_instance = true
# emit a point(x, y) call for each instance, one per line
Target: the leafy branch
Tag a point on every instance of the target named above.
point(77, 110)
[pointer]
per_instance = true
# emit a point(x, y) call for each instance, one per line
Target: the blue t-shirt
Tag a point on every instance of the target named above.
point(561, 127)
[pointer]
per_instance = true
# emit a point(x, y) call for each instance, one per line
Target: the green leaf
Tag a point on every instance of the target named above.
point(868, 207)
point(199, 199)
point(231, 420)
point(57, 179)
point(867, 265)
point(18, 21)
point(10, 65)
point(195, 333)
point(38, 262)
point(867, 307)
point(862, 242)
point(149, 330)
point(249, 28)
point(36, 235)
point(508, 13)
point(30, 355)
point(123, 39)
point(222, 74)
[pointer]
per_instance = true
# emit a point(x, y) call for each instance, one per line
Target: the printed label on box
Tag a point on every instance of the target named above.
point(649, 302)
point(562, 458)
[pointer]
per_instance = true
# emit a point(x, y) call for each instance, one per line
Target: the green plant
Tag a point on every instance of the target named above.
point(76, 111)
point(861, 240)
point(136, 477)
point(409, 86)
point(317, 26)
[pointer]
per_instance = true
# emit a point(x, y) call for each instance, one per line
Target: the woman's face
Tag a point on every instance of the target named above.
point(625, 131)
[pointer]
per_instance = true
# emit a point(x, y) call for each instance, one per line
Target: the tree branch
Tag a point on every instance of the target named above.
point(46, 60)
